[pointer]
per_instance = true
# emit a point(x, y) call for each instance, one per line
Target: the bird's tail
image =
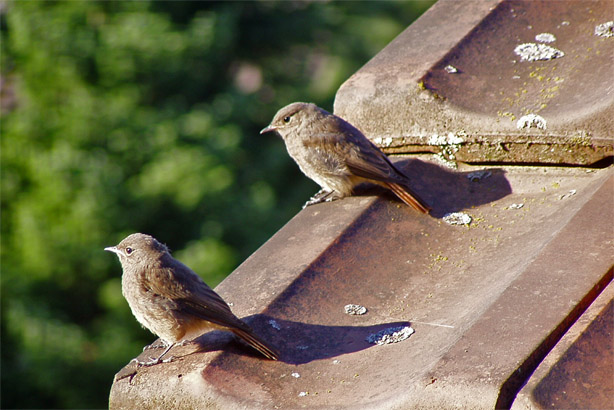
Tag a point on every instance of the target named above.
point(257, 343)
point(409, 197)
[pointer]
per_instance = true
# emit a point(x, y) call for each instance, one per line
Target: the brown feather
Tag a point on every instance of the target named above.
point(171, 300)
point(254, 341)
point(408, 197)
point(337, 155)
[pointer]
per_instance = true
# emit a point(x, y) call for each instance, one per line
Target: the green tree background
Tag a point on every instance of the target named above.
point(121, 117)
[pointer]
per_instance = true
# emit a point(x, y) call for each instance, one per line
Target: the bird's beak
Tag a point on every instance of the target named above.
point(114, 250)
point(268, 129)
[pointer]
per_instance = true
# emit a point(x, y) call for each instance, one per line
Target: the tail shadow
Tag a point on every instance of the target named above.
point(298, 343)
point(445, 190)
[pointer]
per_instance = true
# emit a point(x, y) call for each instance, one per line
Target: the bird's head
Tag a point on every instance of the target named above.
point(137, 248)
point(292, 117)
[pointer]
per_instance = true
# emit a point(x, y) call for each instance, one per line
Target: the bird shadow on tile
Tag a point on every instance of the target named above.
point(297, 343)
point(446, 190)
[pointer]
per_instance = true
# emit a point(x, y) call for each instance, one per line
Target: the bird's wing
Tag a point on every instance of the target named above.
point(369, 162)
point(357, 153)
point(187, 294)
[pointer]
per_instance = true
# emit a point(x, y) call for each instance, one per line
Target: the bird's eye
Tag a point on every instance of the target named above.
point(287, 119)
point(129, 251)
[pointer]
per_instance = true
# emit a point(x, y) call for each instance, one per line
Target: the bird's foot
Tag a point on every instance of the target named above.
point(158, 345)
point(322, 195)
point(152, 362)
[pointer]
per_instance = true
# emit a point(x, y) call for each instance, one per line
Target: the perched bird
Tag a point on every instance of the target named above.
point(336, 155)
point(172, 301)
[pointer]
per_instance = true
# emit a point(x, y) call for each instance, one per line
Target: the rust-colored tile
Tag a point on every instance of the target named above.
point(488, 301)
point(579, 372)
point(406, 99)
point(485, 300)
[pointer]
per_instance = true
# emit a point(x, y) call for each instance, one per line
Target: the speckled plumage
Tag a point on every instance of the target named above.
point(336, 155)
point(172, 301)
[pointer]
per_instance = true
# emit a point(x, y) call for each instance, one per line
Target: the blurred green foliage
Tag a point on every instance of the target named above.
point(120, 117)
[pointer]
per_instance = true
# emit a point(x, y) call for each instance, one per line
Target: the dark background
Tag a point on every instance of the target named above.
point(121, 117)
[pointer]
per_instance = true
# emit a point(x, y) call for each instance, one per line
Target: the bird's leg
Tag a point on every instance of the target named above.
point(323, 195)
point(156, 361)
point(162, 343)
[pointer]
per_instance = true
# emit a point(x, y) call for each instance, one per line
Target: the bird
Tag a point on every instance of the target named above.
point(169, 299)
point(336, 155)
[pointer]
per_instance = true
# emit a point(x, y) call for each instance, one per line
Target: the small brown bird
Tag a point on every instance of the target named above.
point(336, 155)
point(172, 301)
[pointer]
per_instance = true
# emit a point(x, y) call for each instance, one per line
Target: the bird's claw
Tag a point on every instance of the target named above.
point(321, 196)
point(161, 344)
point(151, 362)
